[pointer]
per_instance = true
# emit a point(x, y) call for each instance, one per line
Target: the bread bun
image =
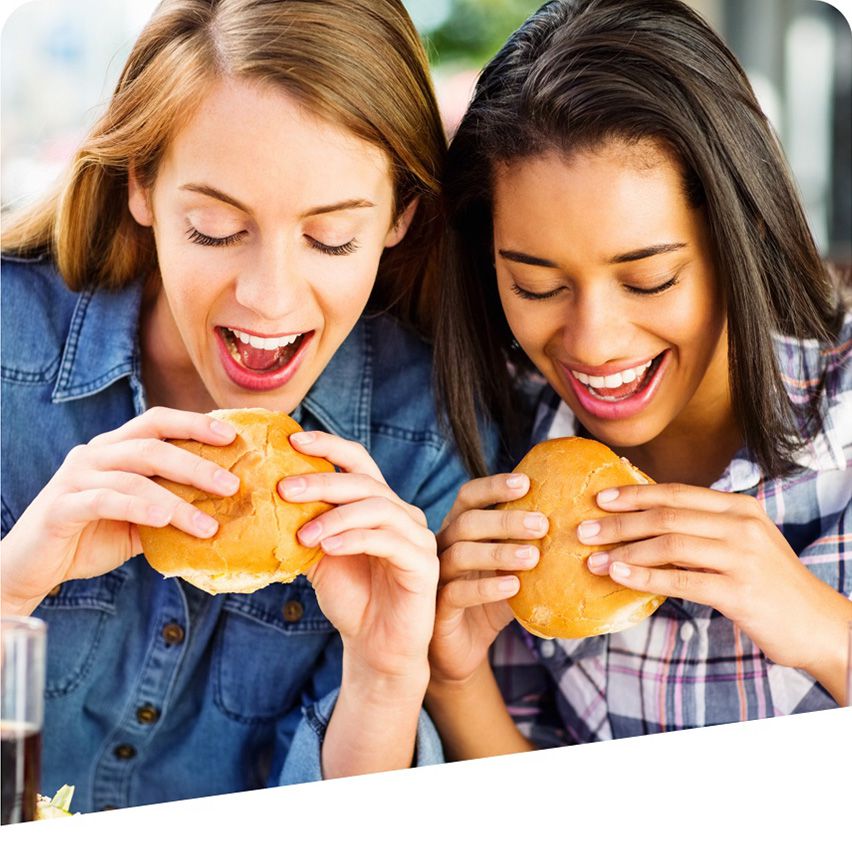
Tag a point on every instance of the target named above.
point(560, 597)
point(256, 542)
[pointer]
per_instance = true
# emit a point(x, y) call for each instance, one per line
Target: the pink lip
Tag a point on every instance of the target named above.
point(614, 410)
point(260, 381)
point(258, 334)
point(611, 368)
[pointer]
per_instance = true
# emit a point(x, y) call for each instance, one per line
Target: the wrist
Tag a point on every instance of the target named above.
point(447, 688)
point(382, 688)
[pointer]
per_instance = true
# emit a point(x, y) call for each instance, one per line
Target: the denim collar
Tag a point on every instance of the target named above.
point(102, 347)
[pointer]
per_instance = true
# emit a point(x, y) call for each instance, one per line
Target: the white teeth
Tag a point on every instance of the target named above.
point(267, 343)
point(614, 380)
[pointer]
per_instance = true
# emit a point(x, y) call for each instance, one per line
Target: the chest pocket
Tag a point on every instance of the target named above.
point(76, 614)
point(267, 646)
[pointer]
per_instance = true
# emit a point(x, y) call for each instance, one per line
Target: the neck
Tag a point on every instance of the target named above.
point(169, 375)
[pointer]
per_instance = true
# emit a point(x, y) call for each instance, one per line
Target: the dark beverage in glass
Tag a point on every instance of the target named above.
point(21, 754)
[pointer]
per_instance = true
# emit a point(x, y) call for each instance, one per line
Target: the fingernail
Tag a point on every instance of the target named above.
point(227, 482)
point(607, 495)
point(588, 529)
point(508, 585)
point(205, 524)
point(221, 428)
point(331, 543)
point(525, 552)
point(293, 487)
point(159, 515)
point(310, 533)
point(303, 438)
point(619, 569)
point(515, 481)
point(536, 523)
point(598, 562)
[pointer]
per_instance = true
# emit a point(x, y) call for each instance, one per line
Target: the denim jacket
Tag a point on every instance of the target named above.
point(156, 690)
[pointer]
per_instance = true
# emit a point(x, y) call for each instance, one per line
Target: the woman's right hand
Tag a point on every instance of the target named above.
point(83, 522)
point(477, 550)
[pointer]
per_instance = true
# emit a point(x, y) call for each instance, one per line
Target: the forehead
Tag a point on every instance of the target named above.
point(256, 141)
point(614, 197)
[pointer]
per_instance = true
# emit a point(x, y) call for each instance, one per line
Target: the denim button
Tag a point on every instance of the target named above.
point(147, 714)
point(293, 611)
point(124, 751)
point(173, 633)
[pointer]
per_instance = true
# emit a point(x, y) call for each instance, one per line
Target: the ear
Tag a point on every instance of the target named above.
point(139, 200)
point(400, 227)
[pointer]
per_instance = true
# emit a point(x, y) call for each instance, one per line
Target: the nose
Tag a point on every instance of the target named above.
point(270, 286)
point(595, 329)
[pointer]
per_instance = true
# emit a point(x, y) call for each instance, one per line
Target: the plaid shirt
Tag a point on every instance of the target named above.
point(687, 665)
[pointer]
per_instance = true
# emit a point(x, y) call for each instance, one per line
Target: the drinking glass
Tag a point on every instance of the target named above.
point(22, 669)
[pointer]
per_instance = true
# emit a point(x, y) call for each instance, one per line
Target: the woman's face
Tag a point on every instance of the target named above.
point(269, 224)
point(605, 276)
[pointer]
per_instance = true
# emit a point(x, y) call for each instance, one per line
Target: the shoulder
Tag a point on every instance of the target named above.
point(403, 400)
point(36, 311)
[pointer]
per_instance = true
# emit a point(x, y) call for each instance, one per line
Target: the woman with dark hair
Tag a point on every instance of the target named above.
point(630, 253)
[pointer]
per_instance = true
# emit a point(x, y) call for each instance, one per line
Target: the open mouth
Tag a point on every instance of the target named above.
point(262, 355)
point(621, 385)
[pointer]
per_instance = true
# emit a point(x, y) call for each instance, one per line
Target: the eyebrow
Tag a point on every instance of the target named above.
point(626, 257)
point(213, 193)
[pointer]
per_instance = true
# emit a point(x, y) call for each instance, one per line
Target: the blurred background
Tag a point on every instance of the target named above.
point(59, 60)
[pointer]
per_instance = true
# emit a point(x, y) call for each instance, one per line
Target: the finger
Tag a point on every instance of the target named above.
point(468, 557)
point(663, 520)
point(181, 514)
point(369, 513)
point(465, 594)
point(352, 457)
point(671, 495)
point(672, 549)
point(697, 586)
point(155, 457)
point(167, 423)
point(81, 508)
point(479, 525)
point(342, 488)
point(484, 492)
point(412, 562)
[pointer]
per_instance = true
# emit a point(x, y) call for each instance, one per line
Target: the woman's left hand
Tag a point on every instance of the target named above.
point(378, 578)
point(722, 550)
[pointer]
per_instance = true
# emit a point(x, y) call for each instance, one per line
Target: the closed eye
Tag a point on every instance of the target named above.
point(326, 249)
point(528, 294)
point(642, 291)
point(196, 236)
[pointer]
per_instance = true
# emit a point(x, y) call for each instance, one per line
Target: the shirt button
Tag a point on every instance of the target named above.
point(547, 648)
point(173, 633)
point(54, 592)
point(124, 751)
point(687, 630)
point(147, 714)
point(293, 611)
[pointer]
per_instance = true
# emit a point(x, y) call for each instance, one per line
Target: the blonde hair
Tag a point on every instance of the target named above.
point(357, 63)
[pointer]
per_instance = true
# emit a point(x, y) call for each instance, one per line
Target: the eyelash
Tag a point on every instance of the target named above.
point(527, 294)
point(196, 236)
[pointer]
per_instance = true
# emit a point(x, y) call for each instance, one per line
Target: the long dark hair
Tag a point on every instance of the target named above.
point(579, 73)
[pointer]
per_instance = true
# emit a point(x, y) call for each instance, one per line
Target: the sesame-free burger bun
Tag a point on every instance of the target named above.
point(256, 542)
point(560, 597)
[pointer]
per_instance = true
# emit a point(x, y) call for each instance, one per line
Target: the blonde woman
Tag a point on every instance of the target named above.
point(251, 223)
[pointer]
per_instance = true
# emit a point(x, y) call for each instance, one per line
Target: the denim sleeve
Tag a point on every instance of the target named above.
point(303, 763)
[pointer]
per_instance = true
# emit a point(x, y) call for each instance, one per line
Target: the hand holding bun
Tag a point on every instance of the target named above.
point(560, 597)
point(256, 542)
